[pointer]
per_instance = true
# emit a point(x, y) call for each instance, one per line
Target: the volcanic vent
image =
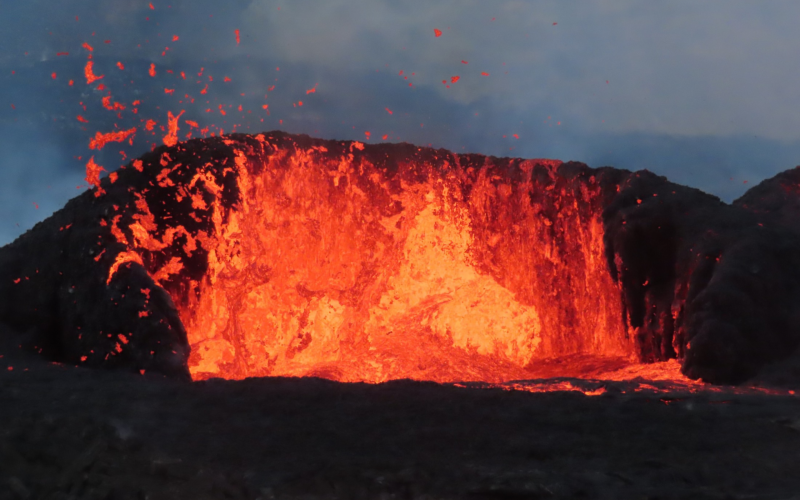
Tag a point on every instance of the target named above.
point(282, 255)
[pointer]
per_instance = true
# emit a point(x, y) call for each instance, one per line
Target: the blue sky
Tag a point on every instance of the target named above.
point(705, 93)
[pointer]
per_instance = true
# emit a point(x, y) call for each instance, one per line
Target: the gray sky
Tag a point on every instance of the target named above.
point(705, 93)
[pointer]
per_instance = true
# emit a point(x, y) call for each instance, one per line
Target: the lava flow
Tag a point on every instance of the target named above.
point(354, 265)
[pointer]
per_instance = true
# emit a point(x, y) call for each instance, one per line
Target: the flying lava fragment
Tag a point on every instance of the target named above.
point(152, 69)
point(89, 72)
point(237, 36)
point(101, 139)
point(437, 32)
point(111, 107)
point(93, 175)
point(171, 138)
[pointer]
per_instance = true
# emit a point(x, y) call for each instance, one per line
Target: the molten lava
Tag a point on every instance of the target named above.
point(283, 255)
point(352, 266)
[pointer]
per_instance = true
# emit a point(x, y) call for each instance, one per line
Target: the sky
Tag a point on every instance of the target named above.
point(704, 93)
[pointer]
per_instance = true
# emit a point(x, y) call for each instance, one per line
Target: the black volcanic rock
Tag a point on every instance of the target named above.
point(56, 292)
point(714, 285)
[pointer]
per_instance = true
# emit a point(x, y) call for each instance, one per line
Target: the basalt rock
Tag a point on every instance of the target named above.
point(167, 255)
point(715, 285)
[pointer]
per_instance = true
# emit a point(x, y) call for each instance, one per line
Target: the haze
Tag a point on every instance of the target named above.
point(704, 93)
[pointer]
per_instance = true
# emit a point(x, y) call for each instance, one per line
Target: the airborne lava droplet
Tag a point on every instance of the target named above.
point(89, 72)
point(171, 138)
point(454, 79)
point(120, 66)
point(93, 175)
point(237, 36)
point(111, 107)
point(101, 139)
point(388, 110)
point(152, 69)
point(483, 73)
point(437, 33)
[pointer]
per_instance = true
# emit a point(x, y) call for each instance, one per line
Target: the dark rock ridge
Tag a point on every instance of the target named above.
point(714, 285)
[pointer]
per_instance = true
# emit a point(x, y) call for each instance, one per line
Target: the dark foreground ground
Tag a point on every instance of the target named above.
point(71, 433)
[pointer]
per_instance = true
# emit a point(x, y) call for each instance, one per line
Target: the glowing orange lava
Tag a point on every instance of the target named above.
point(291, 256)
point(101, 139)
point(333, 267)
point(93, 171)
point(172, 123)
point(89, 73)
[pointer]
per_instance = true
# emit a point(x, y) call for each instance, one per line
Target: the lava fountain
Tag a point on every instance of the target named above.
point(430, 266)
point(283, 255)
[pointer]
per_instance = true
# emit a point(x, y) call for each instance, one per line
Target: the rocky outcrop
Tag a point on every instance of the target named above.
point(715, 285)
